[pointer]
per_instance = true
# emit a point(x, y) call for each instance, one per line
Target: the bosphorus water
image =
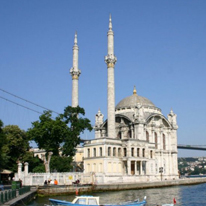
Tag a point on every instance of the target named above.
point(192, 195)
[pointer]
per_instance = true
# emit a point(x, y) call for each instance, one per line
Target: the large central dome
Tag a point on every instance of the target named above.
point(133, 100)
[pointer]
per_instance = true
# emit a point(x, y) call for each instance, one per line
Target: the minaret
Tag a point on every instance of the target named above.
point(110, 60)
point(75, 73)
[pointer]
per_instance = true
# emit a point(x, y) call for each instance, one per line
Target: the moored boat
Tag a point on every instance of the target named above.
point(92, 200)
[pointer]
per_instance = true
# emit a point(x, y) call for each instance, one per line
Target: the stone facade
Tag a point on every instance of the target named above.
point(136, 143)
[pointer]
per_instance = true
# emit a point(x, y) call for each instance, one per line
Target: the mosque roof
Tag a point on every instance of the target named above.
point(133, 100)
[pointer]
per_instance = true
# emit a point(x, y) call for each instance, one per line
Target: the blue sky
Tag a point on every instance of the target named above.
point(160, 47)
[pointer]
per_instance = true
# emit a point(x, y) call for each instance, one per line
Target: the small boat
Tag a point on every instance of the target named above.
point(92, 200)
point(168, 205)
point(172, 204)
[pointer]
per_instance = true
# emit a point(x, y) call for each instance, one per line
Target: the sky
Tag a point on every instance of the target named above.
point(160, 47)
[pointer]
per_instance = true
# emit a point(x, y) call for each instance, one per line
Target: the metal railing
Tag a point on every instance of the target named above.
point(7, 195)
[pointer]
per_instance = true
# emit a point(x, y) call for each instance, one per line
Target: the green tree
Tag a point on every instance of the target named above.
point(15, 146)
point(61, 134)
point(73, 117)
point(61, 163)
point(48, 133)
point(35, 164)
point(2, 142)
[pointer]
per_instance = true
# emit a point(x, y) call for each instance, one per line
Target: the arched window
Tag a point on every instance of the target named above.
point(137, 152)
point(129, 134)
point(100, 151)
point(114, 151)
point(132, 152)
point(151, 155)
point(163, 139)
point(88, 152)
point(143, 152)
point(155, 140)
point(147, 136)
point(109, 151)
point(94, 152)
point(125, 152)
point(119, 152)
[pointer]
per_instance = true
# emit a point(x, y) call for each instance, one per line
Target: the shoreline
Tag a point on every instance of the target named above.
point(82, 189)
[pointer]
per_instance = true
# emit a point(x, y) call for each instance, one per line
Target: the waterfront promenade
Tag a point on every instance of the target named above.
point(82, 189)
point(66, 189)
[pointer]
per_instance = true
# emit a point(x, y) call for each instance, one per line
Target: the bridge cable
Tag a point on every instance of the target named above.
point(23, 106)
point(27, 101)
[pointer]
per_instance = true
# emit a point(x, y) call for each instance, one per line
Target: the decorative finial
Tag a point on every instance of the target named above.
point(75, 38)
point(110, 22)
point(134, 90)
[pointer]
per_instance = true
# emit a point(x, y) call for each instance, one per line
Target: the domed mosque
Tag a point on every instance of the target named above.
point(136, 142)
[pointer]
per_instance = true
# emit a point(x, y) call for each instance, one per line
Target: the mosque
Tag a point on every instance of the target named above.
point(136, 143)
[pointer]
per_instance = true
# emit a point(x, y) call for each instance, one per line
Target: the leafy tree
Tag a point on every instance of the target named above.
point(35, 164)
point(48, 133)
point(61, 134)
point(76, 125)
point(2, 142)
point(61, 163)
point(15, 146)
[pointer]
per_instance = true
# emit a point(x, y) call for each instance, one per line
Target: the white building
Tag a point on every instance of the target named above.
point(137, 142)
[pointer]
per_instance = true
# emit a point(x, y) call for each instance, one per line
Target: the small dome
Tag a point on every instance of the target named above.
point(133, 100)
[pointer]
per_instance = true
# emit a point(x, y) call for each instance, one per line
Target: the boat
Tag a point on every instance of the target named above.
point(92, 200)
point(168, 205)
point(172, 204)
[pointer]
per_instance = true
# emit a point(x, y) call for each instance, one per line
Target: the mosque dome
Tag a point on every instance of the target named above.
point(133, 100)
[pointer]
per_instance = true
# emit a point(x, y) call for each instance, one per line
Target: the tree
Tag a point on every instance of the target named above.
point(15, 146)
point(76, 125)
point(61, 134)
point(2, 142)
point(35, 164)
point(61, 163)
point(48, 133)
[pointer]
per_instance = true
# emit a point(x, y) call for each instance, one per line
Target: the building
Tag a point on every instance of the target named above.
point(137, 142)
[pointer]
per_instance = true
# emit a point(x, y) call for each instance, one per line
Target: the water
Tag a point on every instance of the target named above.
point(192, 195)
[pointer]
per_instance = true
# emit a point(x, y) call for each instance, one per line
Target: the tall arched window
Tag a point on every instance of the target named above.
point(147, 136)
point(125, 152)
point(94, 152)
point(155, 140)
point(119, 152)
point(100, 151)
point(163, 139)
point(151, 156)
point(109, 151)
point(137, 152)
point(143, 152)
point(114, 151)
point(132, 152)
point(88, 152)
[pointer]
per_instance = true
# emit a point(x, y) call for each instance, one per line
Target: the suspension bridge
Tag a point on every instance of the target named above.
point(191, 147)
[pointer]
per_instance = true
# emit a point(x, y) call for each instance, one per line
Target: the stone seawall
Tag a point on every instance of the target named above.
point(61, 190)
point(144, 185)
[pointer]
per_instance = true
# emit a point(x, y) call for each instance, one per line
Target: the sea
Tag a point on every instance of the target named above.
point(190, 195)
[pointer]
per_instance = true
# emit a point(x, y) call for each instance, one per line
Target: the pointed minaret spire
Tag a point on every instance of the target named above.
point(75, 73)
point(75, 39)
point(110, 22)
point(110, 60)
